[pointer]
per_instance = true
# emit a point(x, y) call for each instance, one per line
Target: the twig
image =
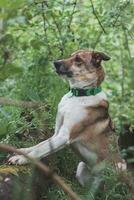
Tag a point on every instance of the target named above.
point(56, 25)
point(71, 19)
point(119, 13)
point(122, 81)
point(71, 16)
point(62, 45)
point(126, 43)
point(95, 14)
point(97, 40)
point(126, 46)
point(57, 179)
point(17, 103)
point(45, 28)
point(131, 35)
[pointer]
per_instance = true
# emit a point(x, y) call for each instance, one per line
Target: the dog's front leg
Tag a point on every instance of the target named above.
point(45, 148)
point(59, 122)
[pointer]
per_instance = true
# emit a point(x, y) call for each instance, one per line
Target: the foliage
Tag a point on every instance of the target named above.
point(34, 33)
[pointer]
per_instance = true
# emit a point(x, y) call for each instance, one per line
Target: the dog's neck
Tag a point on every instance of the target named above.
point(82, 84)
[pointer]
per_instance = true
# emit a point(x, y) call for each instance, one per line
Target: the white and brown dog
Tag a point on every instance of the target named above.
point(82, 119)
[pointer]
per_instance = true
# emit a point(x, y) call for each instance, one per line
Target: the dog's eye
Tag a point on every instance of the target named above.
point(78, 63)
point(78, 60)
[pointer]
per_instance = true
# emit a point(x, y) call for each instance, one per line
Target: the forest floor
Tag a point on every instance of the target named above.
point(28, 183)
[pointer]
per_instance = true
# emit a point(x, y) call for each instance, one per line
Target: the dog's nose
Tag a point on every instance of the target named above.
point(57, 64)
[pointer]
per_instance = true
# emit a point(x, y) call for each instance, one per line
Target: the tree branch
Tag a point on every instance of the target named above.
point(62, 45)
point(97, 40)
point(71, 15)
point(119, 12)
point(95, 14)
point(56, 179)
point(45, 28)
point(17, 103)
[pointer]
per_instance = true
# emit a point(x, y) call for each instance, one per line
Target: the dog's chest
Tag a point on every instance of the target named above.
point(75, 106)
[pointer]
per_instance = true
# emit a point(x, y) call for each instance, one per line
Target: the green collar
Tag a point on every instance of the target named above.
point(85, 92)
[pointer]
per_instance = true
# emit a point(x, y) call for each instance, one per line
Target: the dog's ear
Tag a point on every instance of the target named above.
point(97, 57)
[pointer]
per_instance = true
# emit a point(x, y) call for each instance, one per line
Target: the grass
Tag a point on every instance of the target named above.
point(116, 185)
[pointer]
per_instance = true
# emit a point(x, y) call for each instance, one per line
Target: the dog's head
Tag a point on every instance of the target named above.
point(82, 68)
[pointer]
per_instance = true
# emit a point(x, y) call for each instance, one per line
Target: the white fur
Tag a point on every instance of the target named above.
point(71, 110)
point(82, 173)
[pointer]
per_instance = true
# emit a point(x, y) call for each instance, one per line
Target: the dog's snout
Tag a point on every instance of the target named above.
point(62, 68)
point(57, 64)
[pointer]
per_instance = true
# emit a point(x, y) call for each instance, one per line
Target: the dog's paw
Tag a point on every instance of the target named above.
point(122, 165)
point(18, 160)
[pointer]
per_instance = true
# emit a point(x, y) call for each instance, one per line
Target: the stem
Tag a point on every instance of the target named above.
point(45, 29)
point(97, 40)
point(23, 104)
point(122, 83)
point(96, 16)
point(71, 16)
point(120, 11)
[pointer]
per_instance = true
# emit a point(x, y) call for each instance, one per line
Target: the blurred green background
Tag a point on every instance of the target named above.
point(33, 34)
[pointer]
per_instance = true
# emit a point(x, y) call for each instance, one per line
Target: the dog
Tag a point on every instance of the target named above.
point(83, 120)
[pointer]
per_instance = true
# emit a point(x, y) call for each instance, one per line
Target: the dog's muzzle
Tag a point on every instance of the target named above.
point(61, 69)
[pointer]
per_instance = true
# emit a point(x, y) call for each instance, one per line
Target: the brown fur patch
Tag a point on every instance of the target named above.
point(104, 103)
point(94, 130)
point(100, 74)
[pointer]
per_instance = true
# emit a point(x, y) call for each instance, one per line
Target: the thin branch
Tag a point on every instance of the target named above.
point(56, 179)
point(17, 103)
point(97, 40)
point(71, 16)
point(119, 13)
point(126, 46)
point(131, 35)
point(62, 46)
point(71, 19)
point(126, 43)
point(45, 28)
point(95, 14)
point(122, 81)
point(56, 25)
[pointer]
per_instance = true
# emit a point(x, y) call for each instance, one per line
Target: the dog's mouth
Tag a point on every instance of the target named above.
point(64, 73)
point(62, 70)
